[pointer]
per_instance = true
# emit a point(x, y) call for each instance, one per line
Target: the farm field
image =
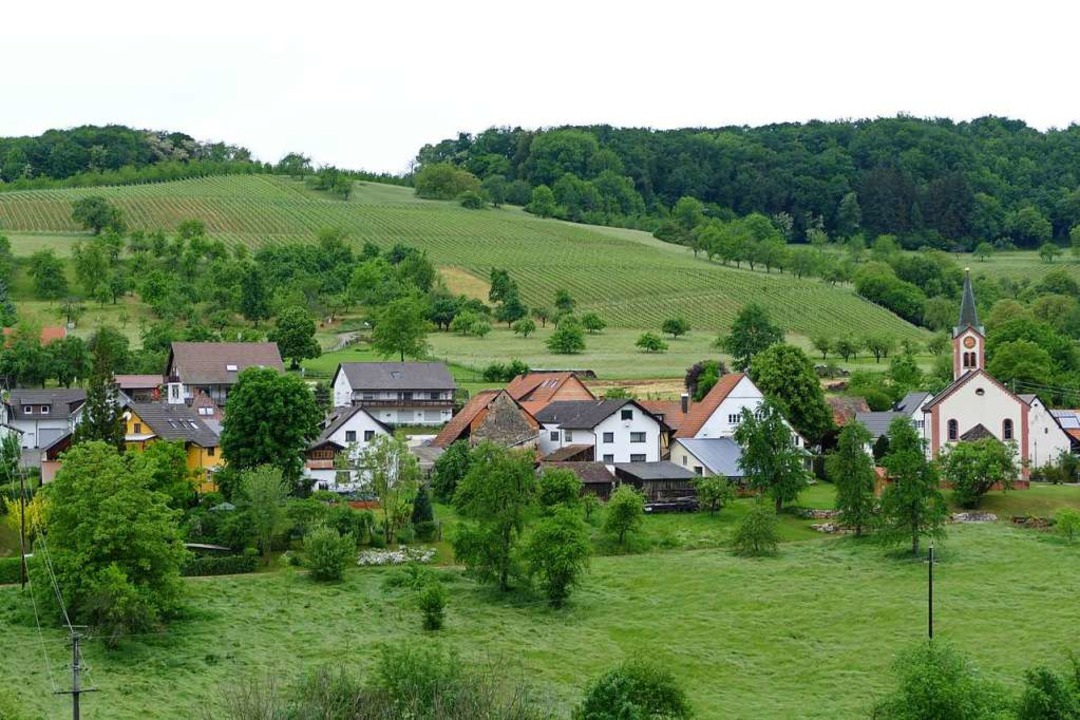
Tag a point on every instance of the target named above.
point(836, 613)
point(628, 277)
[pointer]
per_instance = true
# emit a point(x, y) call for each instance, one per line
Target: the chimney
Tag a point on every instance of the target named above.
point(685, 401)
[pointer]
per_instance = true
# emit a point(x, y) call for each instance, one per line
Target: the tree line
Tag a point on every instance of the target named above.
point(928, 181)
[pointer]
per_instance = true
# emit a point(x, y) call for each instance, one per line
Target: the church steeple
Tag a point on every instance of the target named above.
point(969, 315)
point(969, 337)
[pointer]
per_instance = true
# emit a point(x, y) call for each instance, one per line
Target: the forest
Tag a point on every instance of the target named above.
point(929, 182)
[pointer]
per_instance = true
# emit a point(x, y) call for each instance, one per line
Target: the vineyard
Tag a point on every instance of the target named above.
point(628, 277)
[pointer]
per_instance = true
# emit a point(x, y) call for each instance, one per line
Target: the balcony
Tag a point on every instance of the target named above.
point(400, 403)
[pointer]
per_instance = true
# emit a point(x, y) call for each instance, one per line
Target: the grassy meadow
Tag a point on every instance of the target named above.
point(628, 277)
point(808, 634)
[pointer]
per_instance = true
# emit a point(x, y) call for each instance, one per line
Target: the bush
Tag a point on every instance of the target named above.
point(377, 540)
point(1067, 523)
point(756, 535)
point(10, 570)
point(426, 530)
point(1047, 695)
point(505, 372)
point(327, 552)
point(635, 689)
point(432, 603)
point(937, 682)
point(221, 564)
point(471, 200)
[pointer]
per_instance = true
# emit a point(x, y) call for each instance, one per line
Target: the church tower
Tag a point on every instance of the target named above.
point(969, 337)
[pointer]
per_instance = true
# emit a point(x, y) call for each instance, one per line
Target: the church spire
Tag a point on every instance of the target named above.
point(969, 316)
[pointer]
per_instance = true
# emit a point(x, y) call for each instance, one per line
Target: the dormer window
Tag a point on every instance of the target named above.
point(28, 409)
point(44, 409)
point(231, 367)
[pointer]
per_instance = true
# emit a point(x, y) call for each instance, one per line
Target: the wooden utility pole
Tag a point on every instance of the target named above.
point(930, 597)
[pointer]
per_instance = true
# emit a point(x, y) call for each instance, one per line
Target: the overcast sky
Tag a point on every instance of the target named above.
point(366, 84)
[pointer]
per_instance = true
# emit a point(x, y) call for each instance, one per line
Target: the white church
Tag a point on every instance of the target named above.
point(976, 405)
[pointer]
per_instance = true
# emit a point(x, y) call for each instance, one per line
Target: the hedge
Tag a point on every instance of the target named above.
point(221, 564)
point(9, 570)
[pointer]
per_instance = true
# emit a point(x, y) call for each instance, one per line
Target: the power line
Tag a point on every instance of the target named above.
point(41, 637)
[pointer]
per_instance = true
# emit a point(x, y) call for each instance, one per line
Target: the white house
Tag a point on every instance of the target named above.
point(976, 405)
point(396, 393)
point(44, 416)
point(213, 367)
point(912, 407)
point(608, 431)
point(347, 429)
point(704, 442)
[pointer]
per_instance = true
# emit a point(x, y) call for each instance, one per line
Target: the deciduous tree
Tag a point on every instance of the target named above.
point(95, 214)
point(751, 333)
point(495, 497)
point(771, 461)
point(387, 469)
point(973, 468)
point(912, 506)
point(264, 489)
point(557, 552)
point(675, 327)
point(851, 469)
point(269, 420)
point(625, 512)
point(294, 334)
point(401, 329)
point(651, 342)
point(786, 376)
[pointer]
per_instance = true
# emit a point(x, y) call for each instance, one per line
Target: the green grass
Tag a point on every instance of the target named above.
point(628, 277)
point(1021, 264)
point(809, 634)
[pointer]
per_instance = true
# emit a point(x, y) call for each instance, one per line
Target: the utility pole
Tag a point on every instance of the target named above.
point(76, 682)
point(22, 528)
point(930, 596)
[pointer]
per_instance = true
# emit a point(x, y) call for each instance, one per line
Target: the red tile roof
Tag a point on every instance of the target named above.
point(535, 390)
point(670, 410)
point(457, 425)
point(701, 412)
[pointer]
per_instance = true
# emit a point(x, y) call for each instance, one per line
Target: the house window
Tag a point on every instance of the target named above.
point(44, 409)
point(1007, 429)
point(609, 459)
point(637, 458)
point(698, 470)
point(206, 411)
point(684, 460)
point(554, 436)
point(369, 396)
point(733, 419)
point(609, 437)
point(627, 414)
point(210, 451)
point(953, 430)
point(350, 436)
point(138, 428)
point(231, 367)
point(568, 435)
point(637, 437)
point(369, 435)
point(28, 409)
point(920, 424)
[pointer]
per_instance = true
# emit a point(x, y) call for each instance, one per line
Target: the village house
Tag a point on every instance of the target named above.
point(910, 407)
point(346, 429)
point(976, 405)
point(703, 443)
point(609, 431)
point(44, 416)
point(149, 422)
point(214, 367)
point(397, 393)
point(140, 388)
point(494, 416)
point(536, 390)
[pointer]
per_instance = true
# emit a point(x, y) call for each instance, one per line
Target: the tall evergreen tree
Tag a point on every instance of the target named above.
point(851, 469)
point(102, 417)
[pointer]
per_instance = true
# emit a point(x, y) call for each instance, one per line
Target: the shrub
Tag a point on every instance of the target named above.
point(10, 570)
point(651, 342)
point(625, 511)
point(327, 552)
point(937, 682)
point(221, 564)
point(432, 603)
point(756, 534)
point(1067, 523)
point(714, 492)
point(426, 530)
point(1047, 695)
point(635, 689)
point(471, 200)
point(557, 553)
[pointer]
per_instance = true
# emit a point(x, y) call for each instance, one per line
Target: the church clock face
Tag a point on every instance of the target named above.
point(969, 342)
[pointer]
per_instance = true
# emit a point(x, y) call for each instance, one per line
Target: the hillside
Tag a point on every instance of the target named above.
point(630, 278)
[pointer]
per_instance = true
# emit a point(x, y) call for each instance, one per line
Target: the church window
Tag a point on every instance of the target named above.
point(1007, 429)
point(980, 392)
point(953, 430)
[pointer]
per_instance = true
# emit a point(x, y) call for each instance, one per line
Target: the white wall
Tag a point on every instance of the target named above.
point(1048, 440)
point(744, 395)
point(969, 408)
point(684, 458)
point(620, 447)
point(342, 389)
point(360, 423)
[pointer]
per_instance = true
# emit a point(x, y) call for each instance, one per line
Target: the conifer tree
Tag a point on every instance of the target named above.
point(102, 417)
point(851, 469)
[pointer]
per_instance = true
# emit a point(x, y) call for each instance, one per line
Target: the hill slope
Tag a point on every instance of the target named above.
point(630, 278)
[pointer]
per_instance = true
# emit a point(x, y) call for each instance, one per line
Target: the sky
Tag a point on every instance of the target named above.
point(364, 85)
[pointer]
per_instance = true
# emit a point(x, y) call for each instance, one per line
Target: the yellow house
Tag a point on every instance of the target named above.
point(149, 422)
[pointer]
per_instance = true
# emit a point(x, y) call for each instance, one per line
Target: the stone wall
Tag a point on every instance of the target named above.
point(505, 424)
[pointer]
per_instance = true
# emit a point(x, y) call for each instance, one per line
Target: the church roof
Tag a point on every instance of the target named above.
point(979, 432)
point(963, 380)
point(969, 315)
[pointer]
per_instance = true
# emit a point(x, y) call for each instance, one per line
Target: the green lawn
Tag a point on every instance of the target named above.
point(809, 634)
